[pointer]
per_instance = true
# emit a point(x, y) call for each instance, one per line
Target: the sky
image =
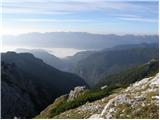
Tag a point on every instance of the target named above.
point(94, 16)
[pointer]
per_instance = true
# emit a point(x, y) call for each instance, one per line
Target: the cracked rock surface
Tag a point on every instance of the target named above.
point(139, 100)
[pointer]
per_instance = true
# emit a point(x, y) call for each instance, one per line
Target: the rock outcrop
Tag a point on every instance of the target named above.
point(139, 100)
point(73, 94)
point(76, 92)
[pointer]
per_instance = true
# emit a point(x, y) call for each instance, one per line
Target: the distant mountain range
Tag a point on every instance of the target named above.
point(45, 56)
point(64, 64)
point(78, 40)
point(94, 65)
point(29, 85)
point(114, 60)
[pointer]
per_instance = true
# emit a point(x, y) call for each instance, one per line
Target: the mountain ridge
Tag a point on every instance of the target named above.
point(45, 56)
point(25, 75)
point(78, 40)
point(62, 107)
point(102, 63)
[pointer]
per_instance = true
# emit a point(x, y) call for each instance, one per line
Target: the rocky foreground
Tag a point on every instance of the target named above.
point(139, 100)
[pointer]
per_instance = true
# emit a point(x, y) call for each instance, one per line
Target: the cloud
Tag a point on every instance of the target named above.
point(67, 6)
point(55, 20)
point(139, 19)
point(99, 15)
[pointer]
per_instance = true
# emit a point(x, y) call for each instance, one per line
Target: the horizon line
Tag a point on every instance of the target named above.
point(118, 34)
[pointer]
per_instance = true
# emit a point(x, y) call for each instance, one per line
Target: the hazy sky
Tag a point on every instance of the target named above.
point(95, 16)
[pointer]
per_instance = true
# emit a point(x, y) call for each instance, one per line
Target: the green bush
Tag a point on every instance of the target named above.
point(88, 96)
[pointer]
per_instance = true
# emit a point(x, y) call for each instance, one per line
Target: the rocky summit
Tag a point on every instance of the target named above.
point(138, 101)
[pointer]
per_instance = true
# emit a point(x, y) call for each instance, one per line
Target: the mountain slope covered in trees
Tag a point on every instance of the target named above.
point(112, 61)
